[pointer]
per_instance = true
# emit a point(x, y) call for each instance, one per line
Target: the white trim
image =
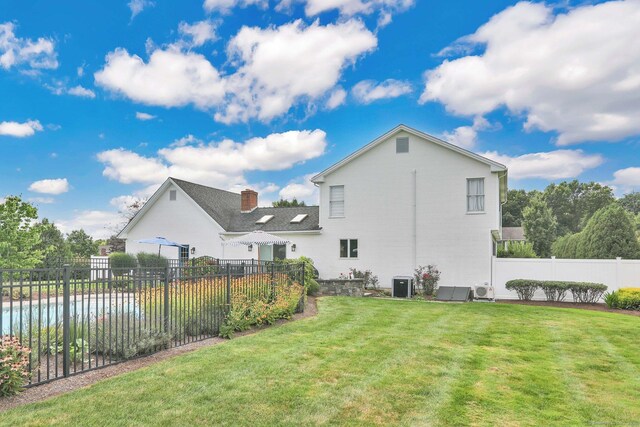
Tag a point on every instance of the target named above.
point(495, 166)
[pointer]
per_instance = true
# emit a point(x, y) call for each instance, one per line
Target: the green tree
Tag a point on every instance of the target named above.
point(52, 244)
point(610, 233)
point(517, 200)
point(81, 244)
point(631, 202)
point(283, 203)
point(19, 237)
point(540, 225)
point(566, 246)
point(573, 203)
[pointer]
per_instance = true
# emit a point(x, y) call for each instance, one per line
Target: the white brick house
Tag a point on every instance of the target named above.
point(403, 200)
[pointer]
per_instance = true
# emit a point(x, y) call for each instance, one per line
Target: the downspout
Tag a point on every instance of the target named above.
point(414, 195)
point(500, 219)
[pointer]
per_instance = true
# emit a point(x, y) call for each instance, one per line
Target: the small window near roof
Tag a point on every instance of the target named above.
point(265, 219)
point(299, 218)
point(402, 145)
point(172, 194)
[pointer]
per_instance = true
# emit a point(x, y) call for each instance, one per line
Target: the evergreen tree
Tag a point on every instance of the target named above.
point(610, 233)
point(81, 244)
point(539, 225)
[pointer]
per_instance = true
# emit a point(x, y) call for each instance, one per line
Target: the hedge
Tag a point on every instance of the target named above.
point(624, 298)
point(584, 292)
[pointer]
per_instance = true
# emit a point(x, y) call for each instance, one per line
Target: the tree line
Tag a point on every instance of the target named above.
point(28, 243)
point(575, 219)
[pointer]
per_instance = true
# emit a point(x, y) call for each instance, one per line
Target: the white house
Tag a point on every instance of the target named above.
point(405, 199)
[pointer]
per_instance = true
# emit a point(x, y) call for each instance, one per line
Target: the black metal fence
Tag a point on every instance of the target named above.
point(76, 319)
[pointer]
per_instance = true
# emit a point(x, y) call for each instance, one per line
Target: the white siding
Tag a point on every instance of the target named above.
point(378, 203)
point(180, 220)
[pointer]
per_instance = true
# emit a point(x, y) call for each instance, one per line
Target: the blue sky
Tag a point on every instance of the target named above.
point(101, 101)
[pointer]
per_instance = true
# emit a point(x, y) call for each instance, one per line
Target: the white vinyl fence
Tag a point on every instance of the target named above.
point(615, 273)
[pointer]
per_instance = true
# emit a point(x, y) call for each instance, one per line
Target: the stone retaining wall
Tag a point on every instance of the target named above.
point(342, 287)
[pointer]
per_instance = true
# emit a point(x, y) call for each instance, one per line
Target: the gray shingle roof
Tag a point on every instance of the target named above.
point(224, 207)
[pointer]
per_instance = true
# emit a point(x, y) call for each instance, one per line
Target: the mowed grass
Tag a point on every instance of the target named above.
point(384, 362)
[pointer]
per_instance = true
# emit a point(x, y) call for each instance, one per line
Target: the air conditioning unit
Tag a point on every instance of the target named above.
point(402, 287)
point(484, 291)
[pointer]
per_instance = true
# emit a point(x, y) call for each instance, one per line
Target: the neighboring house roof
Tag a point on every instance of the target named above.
point(513, 233)
point(495, 166)
point(224, 208)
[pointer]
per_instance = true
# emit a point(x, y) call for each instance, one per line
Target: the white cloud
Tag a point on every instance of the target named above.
point(144, 116)
point(302, 189)
point(199, 32)
point(81, 91)
point(137, 6)
point(16, 51)
point(220, 164)
point(50, 186)
point(352, 7)
point(20, 130)
point(558, 164)
point(466, 136)
point(576, 73)
point(171, 78)
point(224, 6)
point(368, 91)
point(627, 179)
point(336, 99)
point(281, 65)
point(42, 200)
point(98, 224)
point(80, 71)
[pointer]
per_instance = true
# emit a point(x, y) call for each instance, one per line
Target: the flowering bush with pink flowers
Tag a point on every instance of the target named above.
point(426, 278)
point(14, 365)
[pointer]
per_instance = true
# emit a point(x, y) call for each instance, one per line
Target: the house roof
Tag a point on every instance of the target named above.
point(219, 204)
point(224, 208)
point(281, 220)
point(495, 166)
point(513, 233)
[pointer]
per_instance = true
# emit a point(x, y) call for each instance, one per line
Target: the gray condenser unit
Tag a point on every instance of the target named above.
point(402, 287)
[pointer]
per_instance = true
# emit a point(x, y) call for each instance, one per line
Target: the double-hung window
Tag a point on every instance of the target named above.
point(348, 248)
point(336, 201)
point(475, 195)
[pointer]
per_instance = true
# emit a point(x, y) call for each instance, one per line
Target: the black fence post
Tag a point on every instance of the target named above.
point(66, 320)
point(228, 286)
point(166, 298)
point(273, 280)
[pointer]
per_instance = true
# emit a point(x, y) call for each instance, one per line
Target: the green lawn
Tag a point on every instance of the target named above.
point(372, 361)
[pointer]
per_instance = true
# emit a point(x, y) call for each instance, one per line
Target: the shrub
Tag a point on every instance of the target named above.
point(14, 365)
point(586, 292)
point(122, 261)
point(524, 288)
point(127, 338)
point(427, 278)
point(151, 260)
point(566, 246)
point(310, 273)
point(370, 280)
point(612, 299)
point(629, 298)
point(517, 250)
point(554, 291)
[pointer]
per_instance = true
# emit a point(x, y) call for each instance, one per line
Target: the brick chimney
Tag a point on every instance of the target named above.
point(248, 200)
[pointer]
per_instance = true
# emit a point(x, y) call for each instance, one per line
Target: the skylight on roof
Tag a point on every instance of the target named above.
point(265, 219)
point(299, 218)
